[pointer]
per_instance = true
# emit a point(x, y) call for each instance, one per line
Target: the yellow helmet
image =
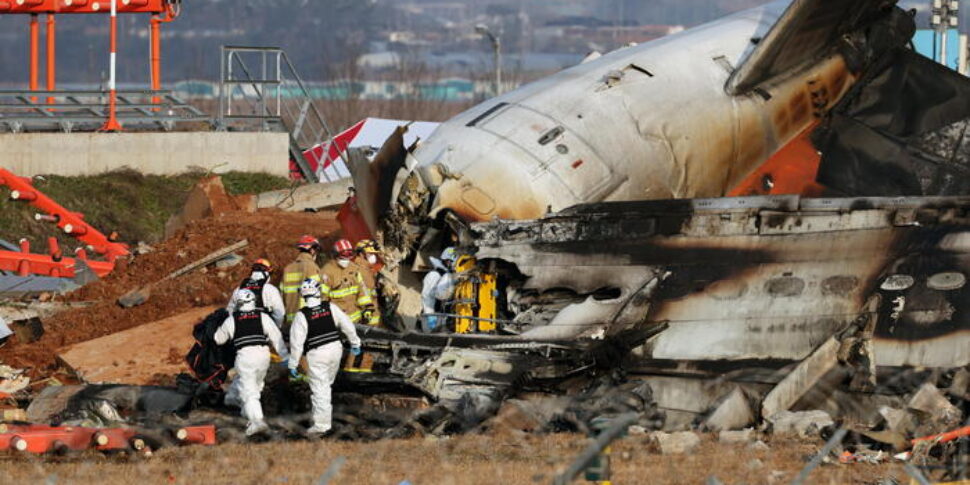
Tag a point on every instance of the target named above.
point(367, 246)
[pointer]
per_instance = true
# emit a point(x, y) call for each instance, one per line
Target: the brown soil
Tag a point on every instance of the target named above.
point(271, 234)
point(470, 459)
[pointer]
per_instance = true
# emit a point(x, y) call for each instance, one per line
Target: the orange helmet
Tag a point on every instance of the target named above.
point(344, 248)
point(308, 242)
point(262, 264)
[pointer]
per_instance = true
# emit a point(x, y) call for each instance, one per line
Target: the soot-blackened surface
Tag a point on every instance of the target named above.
point(921, 312)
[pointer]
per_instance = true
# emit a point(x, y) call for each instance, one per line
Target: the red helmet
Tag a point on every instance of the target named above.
point(308, 242)
point(344, 248)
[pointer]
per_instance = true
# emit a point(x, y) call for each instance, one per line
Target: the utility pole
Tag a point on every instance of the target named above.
point(946, 15)
point(496, 42)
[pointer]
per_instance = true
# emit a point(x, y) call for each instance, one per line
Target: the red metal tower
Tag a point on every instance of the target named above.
point(161, 11)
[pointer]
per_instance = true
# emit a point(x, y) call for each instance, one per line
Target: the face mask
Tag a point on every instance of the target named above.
point(258, 276)
point(372, 258)
point(343, 263)
point(313, 301)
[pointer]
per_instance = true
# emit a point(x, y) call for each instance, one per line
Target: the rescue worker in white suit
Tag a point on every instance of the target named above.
point(268, 296)
point(251, 332)
point(438, 286)
point(268, 300)
point(315, 332)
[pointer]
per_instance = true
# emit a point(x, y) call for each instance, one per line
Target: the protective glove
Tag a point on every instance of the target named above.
point(432, 321)
point(366, 315)
point(355, 350)
point(294, 374)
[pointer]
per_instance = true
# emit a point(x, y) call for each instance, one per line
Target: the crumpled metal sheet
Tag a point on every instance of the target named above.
point(901, 132)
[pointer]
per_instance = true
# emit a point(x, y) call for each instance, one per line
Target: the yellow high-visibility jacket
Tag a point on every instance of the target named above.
point(293, 275)
point(345, 288)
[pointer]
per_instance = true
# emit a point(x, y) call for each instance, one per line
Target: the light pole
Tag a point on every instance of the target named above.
point(497, 48)
point(945, 15)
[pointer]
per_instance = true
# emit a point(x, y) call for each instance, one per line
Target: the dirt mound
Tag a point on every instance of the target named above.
point(271, 234)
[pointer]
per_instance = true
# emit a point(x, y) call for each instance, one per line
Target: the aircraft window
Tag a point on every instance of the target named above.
point(897, 282)
point(785, 286)
point(946, 281)
point(839, 285)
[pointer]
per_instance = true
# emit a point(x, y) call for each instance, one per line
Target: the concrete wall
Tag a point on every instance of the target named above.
point(29, 154)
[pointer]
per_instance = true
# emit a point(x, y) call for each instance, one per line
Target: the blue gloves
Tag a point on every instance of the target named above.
point(432, 321)
point(295, 374)
point(355, 350)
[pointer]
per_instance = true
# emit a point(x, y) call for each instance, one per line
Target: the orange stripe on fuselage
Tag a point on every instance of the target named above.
point(791, 170)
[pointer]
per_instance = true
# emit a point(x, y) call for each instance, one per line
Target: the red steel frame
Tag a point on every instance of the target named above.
point(26, 263)
point(72, 223)
point(161, 11)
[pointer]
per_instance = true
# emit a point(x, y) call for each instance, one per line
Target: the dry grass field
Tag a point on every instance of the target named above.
point(472, 459)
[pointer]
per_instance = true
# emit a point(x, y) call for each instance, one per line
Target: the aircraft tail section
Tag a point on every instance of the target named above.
point(812, 29)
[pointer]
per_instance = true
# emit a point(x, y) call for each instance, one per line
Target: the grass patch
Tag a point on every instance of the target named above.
point(135, 205)
point(253, 183)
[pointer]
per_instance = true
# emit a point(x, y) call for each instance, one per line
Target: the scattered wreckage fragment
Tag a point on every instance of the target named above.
point(469, 376)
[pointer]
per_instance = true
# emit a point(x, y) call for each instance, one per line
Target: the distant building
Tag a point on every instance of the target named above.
point(471, 62)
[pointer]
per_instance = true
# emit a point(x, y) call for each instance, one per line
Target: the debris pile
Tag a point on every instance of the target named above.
point(92, 310)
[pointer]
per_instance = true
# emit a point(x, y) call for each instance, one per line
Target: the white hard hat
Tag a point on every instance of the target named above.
point(310, 288)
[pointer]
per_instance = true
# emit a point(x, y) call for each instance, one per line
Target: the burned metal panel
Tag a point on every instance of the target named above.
point(925, 303)
point(777, 223)
point(731, 293)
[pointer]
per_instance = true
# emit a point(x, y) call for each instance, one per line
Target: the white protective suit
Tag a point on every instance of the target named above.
point(272, 299)
point(251, 364)
point(323, 362)
point(436, 287)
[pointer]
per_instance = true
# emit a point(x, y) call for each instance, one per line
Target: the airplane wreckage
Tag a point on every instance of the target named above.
point(763, 213)
point(592, 212)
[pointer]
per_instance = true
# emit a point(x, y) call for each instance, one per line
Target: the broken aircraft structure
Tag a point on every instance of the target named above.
point(583, 196)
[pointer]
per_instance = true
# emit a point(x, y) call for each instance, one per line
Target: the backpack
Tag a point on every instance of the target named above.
point(210, 363)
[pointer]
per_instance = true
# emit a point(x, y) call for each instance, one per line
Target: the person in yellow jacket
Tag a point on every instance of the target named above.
point(369, 261)
point(342, 283)
point(304, 267)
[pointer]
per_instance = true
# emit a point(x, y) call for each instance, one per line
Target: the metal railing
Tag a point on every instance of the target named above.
point(67, 111)
point(251, 85)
